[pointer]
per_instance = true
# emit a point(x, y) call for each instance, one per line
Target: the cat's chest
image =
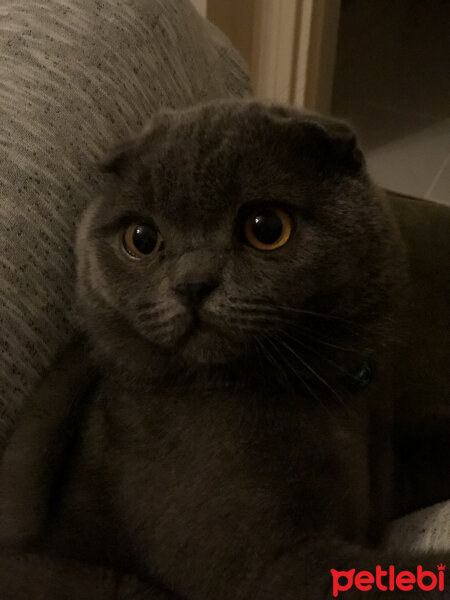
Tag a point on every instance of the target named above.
point(211, 476)
point(207, 437)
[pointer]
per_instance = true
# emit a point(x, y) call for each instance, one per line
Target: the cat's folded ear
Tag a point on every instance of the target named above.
point(125, 154)
point(118, 158)
point(332, 144)
point(343, 143)
point(337, 146)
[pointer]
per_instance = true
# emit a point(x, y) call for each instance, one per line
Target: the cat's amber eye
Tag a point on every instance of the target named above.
point(141, 240)
point(268, 228)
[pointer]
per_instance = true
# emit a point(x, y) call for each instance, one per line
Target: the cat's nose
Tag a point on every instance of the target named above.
point(193, 294)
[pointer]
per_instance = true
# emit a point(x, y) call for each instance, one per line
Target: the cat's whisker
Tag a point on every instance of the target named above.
point(262, 310)
point(305, 384)
point(325, 316)
point(315, 337)
point(267, 354)
point(147, 305)
point(253, 323)
point(306, 331)
point(276, 308)
point(294, 371)
point(312, 334)
point(310, 369)
point(162, 326)
point(266, 312)
point(298, 375)
point(330, 361)
point(149, 316)
point(279, 363)
point(310, 348)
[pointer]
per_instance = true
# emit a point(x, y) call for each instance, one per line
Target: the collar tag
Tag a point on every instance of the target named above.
point(361, 377)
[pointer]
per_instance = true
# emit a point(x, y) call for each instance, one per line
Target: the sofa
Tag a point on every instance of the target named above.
point(77, 76)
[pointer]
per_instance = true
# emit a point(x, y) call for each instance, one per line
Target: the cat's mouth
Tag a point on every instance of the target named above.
point(201, 336)
point(206, 342)
point(199, 327)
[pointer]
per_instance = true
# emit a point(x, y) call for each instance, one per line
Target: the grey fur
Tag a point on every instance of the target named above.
point(223, 456)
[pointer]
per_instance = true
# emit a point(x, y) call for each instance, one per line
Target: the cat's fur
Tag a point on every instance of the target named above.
point(229, 459)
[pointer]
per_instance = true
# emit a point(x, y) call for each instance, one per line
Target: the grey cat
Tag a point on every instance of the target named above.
point(221, 428)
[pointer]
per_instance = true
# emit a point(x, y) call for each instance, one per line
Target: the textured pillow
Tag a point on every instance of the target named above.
point(77, 76)
point(424, 530)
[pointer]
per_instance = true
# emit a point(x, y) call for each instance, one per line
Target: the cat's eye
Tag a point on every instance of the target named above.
point(268, 228)
point(140, 240)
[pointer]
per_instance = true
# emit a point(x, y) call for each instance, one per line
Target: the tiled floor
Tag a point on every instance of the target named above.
point(392, 82)
point(407, 153)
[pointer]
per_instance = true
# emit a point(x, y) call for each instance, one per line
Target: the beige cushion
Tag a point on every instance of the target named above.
point(422, 368)
point(77, 76)
point(424, 530)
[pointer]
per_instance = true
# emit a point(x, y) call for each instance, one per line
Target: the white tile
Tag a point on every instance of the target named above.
point(440, 189)
point(410, 162)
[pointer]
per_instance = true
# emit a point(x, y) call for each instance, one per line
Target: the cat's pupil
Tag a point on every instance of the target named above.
point(145, 238)
point(267, 227)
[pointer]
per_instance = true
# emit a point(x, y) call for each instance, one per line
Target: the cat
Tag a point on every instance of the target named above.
point(221, 425)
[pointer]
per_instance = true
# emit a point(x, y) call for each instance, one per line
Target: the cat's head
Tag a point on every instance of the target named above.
point(226, 229)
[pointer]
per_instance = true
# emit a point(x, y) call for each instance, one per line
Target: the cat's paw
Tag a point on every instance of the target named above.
point(130, 588)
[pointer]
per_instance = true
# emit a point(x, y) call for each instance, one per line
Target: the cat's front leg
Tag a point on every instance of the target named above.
point(37, 447)
point(330, 570)
point(130, 588)
point(29, 576)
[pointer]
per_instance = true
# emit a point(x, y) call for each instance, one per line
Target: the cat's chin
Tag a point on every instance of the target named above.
point(207, 348)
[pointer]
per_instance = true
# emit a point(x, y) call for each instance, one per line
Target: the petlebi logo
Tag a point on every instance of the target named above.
point(388, 580)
